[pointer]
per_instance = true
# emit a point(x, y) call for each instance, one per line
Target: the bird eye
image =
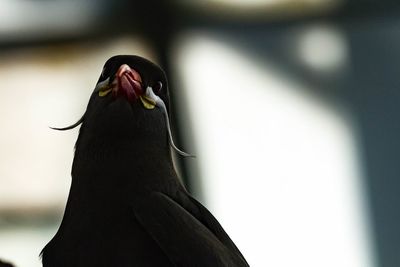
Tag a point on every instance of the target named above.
point(157, 87)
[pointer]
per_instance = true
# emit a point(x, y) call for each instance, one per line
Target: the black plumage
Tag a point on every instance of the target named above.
point(126, 205)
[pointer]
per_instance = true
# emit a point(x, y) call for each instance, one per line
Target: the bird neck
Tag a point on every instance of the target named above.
point(123, 161)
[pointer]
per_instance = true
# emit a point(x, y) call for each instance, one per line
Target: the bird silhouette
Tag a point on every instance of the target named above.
point(126, 205)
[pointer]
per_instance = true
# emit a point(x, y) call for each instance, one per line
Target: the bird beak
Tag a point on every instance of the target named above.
point(127, 83)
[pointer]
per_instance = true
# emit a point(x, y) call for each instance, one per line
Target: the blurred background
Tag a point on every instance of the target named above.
point(291, 107)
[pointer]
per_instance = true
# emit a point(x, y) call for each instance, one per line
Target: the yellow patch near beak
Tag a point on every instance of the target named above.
point(147, 102)
point(104, 88)
point(105, 91)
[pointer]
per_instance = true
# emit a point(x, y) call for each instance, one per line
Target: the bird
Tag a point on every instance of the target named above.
point(126, 205)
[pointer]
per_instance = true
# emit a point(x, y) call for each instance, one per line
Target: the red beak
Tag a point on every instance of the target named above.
point(129, 83)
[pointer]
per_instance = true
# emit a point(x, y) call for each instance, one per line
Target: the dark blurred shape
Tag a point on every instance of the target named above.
point(5, 264)
point(375, 95)
point(25, 21)
point(252, 11)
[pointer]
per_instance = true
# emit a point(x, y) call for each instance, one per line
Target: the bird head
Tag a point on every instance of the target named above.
point(130, 99)
point(133, 77)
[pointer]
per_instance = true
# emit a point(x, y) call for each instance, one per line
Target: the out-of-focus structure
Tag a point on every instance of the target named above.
point(291, 107)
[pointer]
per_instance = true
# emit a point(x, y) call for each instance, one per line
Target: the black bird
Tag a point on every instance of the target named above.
point(126, 205)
